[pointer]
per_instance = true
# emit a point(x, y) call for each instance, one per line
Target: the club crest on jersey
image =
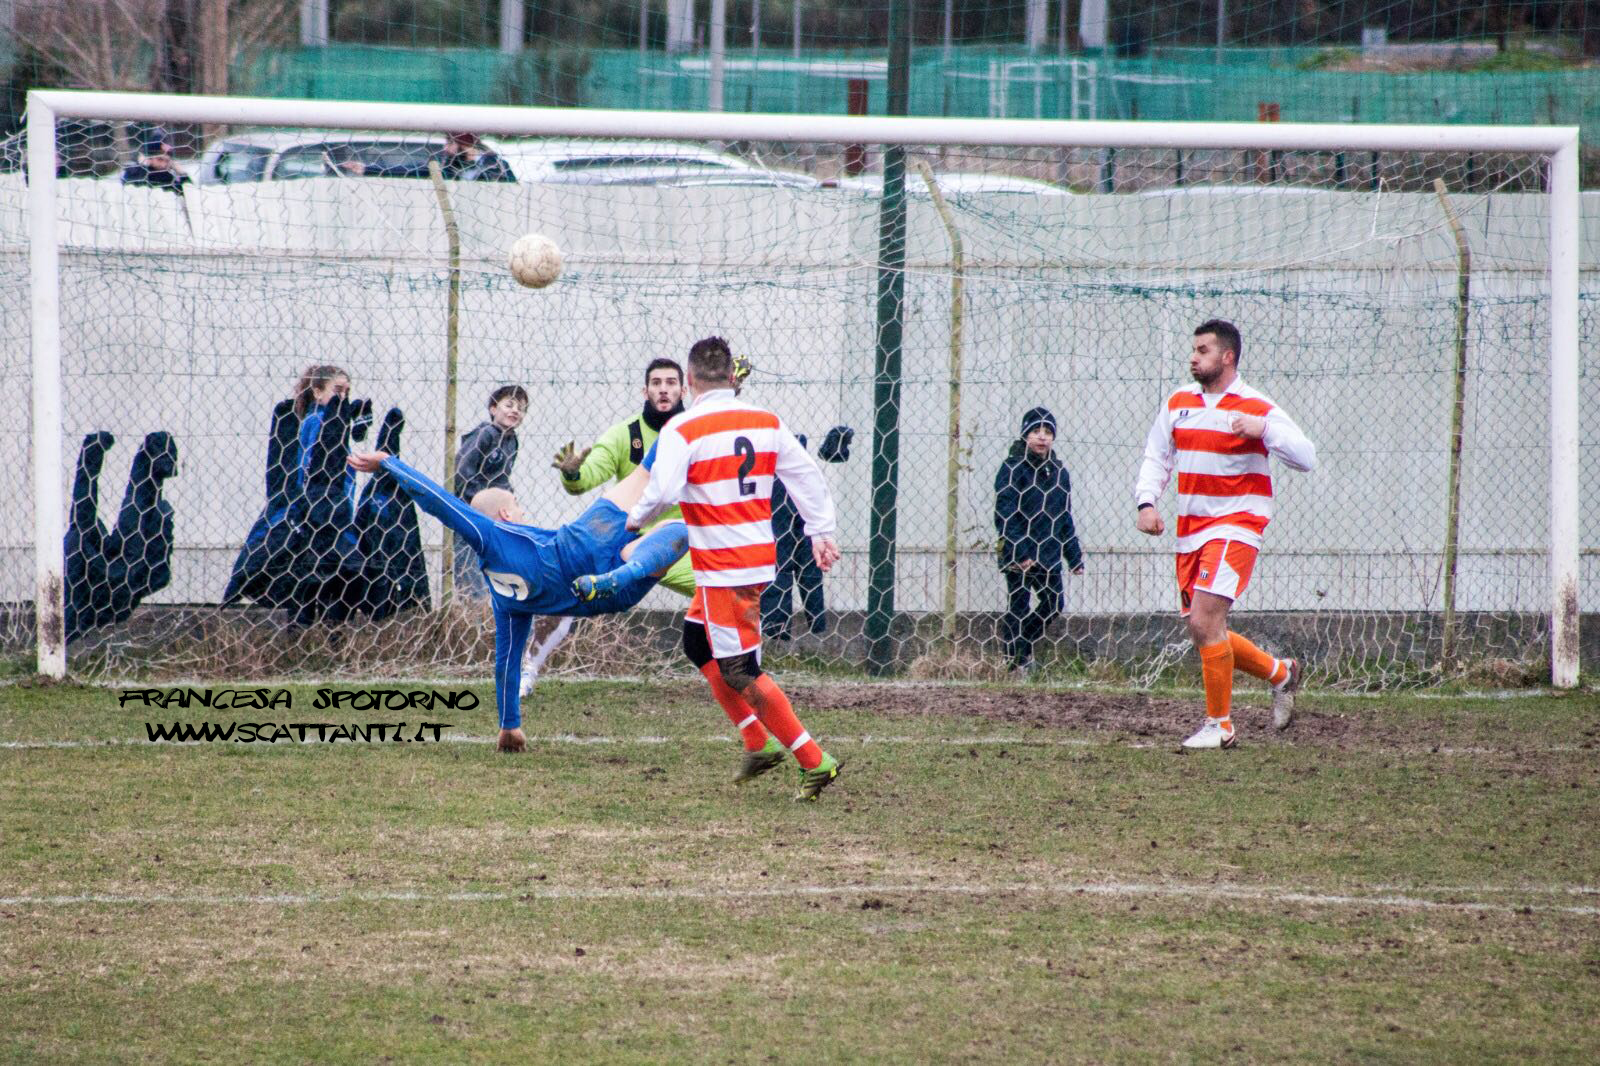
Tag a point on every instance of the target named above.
point(637, 443)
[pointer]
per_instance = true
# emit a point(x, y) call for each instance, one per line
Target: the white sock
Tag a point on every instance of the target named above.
point(536, 657)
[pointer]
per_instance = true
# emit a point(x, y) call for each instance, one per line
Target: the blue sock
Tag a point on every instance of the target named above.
point(654, 553)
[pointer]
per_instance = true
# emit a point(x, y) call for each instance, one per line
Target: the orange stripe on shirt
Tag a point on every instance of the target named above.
point(693, 429)
point(743, 557)
point(1224, 485)
point(1188, 523)
point(1245, 405)
point(727, 514)
point(1216, 442)
point(727, 468)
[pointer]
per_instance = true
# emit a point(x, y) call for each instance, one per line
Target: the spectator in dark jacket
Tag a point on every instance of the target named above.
point(466, 158)
point(484, 461)
point(797, 569)
point(1033, 515)
point(155, 167)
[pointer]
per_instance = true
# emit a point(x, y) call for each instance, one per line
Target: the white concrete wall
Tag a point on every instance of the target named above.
point(196, 321)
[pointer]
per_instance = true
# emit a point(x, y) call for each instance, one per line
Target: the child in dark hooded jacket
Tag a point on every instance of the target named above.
point(1033, 516)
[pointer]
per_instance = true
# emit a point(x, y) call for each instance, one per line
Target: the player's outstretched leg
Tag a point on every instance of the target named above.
point(650, 556)
point(1282, 674)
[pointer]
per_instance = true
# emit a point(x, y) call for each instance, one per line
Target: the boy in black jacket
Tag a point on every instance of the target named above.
point(1033, 515)
point(484, 461)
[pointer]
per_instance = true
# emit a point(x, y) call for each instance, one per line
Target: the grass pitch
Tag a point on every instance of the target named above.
point(1001, 874)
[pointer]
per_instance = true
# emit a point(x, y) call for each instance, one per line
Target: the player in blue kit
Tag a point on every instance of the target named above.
point(530, 570)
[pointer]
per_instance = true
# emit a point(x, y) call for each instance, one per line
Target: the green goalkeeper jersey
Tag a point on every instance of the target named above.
point(613, 457)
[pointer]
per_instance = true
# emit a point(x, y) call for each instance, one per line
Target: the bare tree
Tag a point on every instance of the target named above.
point(97, 44)
point(152, 45)
point(244, 28)
point(139, 45)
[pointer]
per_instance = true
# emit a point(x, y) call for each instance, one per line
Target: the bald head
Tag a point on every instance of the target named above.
point(499, 504)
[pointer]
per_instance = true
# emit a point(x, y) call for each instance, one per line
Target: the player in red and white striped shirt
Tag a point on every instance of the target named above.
point(1217, 435)
point(717, 460)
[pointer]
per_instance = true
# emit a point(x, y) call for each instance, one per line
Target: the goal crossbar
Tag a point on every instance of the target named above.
point(851, 129)
point(1558, 143)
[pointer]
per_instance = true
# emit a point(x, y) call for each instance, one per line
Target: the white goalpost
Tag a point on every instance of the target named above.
point(1045, 272)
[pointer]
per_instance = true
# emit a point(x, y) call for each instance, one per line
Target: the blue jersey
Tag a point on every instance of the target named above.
point(529, 570)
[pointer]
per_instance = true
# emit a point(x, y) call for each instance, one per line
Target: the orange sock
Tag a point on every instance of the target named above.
point(1216, 667)
point(741, 714)
point(1255, 662)
point(778, 716)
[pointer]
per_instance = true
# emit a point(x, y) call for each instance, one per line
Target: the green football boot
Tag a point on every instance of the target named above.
point(756, 763)
point(812, 782)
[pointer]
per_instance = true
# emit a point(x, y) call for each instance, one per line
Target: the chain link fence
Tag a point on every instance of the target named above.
point(213, 531)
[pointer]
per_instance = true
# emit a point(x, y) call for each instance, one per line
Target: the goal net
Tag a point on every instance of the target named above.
point(1394, 296)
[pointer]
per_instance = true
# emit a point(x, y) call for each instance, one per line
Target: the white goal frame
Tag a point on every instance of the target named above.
point(1557, 143)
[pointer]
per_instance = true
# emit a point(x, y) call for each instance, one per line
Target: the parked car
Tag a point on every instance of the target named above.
point(1237, 190)
point(585, 161)
point(744, 176)
point(955, 184)
point(84, 148)
point(283, 155)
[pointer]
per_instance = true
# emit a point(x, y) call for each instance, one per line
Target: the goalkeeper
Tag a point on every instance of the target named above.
point(530, 570)
point(621, 449)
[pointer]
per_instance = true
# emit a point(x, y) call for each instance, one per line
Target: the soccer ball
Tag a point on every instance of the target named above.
point(535, 261)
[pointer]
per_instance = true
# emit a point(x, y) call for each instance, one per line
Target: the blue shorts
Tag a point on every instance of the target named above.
point(592, 544)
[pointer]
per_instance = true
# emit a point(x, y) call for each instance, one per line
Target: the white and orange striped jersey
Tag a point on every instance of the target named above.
point(1224, 482)
point(717, 460)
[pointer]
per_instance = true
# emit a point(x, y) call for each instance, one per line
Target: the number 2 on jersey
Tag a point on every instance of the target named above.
point(747, 453)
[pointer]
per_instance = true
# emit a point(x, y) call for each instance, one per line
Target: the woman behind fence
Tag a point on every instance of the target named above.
point(1033, 516)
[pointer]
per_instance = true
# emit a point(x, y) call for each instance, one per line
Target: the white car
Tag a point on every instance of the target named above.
point(584, 161)
point(955, 185)
point(281, 155)
point(1237, 190)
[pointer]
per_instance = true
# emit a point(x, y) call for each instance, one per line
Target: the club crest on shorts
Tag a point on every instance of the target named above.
point(1204, 574)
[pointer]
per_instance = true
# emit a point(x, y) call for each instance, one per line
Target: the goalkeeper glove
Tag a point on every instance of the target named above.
point(570, 461)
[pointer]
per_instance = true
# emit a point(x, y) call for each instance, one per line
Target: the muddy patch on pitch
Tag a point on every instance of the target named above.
point(1134, 717)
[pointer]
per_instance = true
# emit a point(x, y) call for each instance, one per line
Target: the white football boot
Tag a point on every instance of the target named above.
point(1211, 735)
point(1283, 696)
